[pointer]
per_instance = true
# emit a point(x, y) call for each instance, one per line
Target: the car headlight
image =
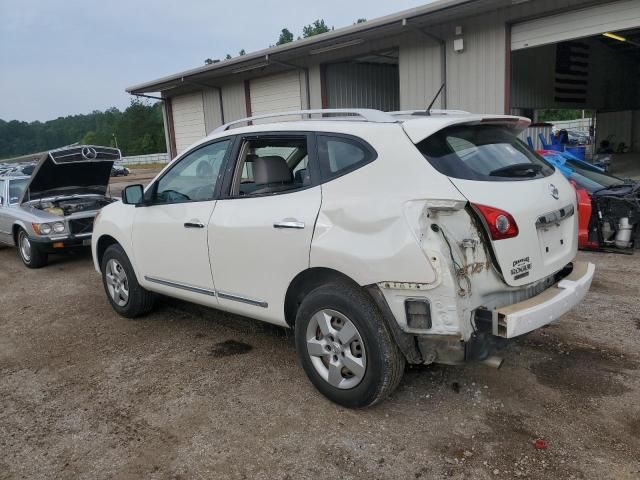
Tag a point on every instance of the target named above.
point(45, 229)
point(58, 227)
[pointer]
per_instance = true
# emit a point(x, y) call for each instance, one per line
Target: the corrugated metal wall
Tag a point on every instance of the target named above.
point(188, 119)
point(475, 77)
point(617, 125)
point(212, 111)
point(363, 85)
point(233, 101)
point(276, 93)
point(419, 72)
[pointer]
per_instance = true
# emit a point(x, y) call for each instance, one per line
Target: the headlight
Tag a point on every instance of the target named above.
point(45, 228)
point(58, 227)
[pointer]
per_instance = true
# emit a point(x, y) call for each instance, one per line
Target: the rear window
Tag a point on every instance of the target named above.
point(482, 152)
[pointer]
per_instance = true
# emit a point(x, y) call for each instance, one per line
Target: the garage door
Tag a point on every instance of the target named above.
point(188, 119)
point(576, 24)
point(276, 93)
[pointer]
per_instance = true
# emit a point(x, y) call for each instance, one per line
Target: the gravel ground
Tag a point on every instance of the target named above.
point(189, 392)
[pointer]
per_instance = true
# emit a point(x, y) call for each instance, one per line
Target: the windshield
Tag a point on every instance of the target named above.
point(601, 178)
point(16, 189)
point(482, 152)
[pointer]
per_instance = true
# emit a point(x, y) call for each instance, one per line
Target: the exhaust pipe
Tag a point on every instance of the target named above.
point(493, 361)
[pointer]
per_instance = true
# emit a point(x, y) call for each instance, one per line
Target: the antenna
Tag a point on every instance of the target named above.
point(434, 99)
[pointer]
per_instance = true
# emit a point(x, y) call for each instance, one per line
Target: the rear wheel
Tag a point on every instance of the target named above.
point(30, 254)
point(345, 346)
point(124, 292)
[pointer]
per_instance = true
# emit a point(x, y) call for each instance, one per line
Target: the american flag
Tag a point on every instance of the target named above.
point(572, 72)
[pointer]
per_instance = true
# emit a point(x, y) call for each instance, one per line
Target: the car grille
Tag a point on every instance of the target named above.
point(81, 225)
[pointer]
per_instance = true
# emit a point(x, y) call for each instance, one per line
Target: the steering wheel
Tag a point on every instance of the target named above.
point(205, 192)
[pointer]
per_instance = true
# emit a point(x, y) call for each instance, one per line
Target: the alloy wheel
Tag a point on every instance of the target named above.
point(117, 282)
point(336, 349)
point(25, 248)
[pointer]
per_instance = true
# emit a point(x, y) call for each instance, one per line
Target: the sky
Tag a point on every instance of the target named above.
point(63, 57)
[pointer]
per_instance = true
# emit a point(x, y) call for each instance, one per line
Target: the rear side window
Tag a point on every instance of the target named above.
point(482, 152)
point(339, 155)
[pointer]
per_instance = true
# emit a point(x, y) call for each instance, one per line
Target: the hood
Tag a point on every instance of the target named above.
point(79, 170)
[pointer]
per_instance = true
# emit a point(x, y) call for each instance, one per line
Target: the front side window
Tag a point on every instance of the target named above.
point(482, 152)
point(2, 199)
point(268, 166)
point(16, 189)
point(194, 177)
point(340, 155)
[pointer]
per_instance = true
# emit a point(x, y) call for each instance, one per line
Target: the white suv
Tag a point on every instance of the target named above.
point(380, 238)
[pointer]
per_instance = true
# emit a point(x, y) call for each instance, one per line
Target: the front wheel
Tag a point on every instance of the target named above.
point(124, 292)
point(29, 253)
point(345, 346)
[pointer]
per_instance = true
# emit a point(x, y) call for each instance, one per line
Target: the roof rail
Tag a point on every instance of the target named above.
point(433, 111)
point(367, 114)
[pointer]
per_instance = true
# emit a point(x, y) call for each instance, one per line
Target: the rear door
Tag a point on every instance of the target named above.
point(260, 232)
point(492, 168)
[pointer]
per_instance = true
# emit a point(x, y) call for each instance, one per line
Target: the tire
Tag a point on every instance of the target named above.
point(30, 254)
point(327, 359)
point(124, 293)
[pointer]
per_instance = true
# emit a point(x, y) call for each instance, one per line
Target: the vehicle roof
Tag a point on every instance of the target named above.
point(417, 127)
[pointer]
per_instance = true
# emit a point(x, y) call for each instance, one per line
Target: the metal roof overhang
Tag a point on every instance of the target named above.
point(419, 17)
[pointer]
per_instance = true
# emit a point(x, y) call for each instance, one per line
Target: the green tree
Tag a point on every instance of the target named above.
point(228, 57)
point(209, 61)
point(551, 114)
point(316, 28)
point(285, 37)
point(139, 130)
point(242, 52)
point(361, 20)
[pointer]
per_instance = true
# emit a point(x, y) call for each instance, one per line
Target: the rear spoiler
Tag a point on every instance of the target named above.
point(418, 130)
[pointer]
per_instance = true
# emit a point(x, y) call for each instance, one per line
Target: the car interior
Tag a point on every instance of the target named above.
point(271, 166)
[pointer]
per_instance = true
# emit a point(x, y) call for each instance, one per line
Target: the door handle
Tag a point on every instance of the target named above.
point(298, 225)
point(193, 225)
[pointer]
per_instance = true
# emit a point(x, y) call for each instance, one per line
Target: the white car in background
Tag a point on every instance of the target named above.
point(379, 238)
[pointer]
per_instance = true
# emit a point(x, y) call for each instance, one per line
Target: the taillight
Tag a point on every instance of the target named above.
point(500, 223)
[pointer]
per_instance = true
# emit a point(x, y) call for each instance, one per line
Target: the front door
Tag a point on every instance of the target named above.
point(260, 232)
point(5, 219)
point(170, 235)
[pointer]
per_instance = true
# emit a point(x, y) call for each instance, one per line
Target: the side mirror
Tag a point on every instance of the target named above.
point(133, 195)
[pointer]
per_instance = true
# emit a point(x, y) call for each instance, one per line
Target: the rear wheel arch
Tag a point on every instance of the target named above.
point(307, 281)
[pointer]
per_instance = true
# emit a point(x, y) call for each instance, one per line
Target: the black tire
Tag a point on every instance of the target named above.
point(35, 257)
point(140, 301)
point(384, 361)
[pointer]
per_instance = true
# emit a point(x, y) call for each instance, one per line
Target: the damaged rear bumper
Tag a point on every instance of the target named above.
point(520, 318)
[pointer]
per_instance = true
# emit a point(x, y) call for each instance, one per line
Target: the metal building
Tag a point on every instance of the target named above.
point(495, 56)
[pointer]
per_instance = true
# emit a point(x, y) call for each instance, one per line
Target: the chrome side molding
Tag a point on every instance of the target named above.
point(239, 298)
point(181, 286)
point(212, 293)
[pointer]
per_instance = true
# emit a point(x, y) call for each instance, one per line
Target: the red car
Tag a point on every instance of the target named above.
point(608, 206)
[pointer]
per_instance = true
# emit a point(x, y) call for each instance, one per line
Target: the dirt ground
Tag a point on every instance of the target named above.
point(188, 392)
